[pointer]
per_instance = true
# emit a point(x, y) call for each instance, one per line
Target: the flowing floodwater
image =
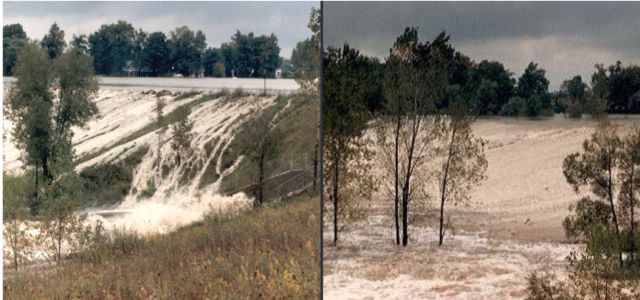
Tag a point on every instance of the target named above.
point(512, 227)
point(175, 201)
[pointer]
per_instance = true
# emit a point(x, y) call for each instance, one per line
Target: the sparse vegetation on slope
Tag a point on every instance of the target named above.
point(269, 253)
point(298, 129)
point(169, 119)
point(109, 183)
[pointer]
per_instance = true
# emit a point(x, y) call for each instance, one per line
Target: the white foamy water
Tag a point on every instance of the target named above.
point(367, 265)
point(512, 227)
point(176, 201)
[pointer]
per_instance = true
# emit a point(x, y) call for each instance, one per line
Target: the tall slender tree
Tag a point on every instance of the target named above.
point(159, 118)
point(29, 104)
point(54, 41)
point(182, 133)
point(415, 80)
point(344, 120)
point(464, 163)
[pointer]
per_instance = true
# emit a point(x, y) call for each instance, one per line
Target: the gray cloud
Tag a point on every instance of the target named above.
point(565, 38)
point(218, 20)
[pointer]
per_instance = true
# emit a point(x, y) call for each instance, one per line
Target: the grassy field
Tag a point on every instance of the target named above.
point(270, 253)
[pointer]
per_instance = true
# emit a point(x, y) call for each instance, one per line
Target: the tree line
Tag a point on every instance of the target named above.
point(119, 49)
point(494, 90)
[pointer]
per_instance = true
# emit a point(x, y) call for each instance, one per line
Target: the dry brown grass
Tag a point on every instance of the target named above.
point(270, 253)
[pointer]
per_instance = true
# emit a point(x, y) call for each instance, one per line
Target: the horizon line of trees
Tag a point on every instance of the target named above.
point(119, 49)
point(492, 89)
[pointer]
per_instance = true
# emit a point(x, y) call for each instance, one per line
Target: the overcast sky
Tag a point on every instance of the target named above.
point(564, 38)
point(218, 20)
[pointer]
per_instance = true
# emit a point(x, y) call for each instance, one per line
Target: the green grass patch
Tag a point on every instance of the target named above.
point(109, 183)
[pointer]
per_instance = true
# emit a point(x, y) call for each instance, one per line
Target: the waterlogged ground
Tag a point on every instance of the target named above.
point(367, 265)
point(512, 227)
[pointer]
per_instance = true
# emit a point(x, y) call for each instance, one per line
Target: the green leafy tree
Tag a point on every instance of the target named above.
point(43, 132)
point(397, 76)
point(54, 42)
point(516, 106)
point(596, 167)
point(188, 49)
point(159, 118)
point(486, 98)
point(156, 54)
point(111, 47)
point(29, 105)
point(13, 39)
point(344, 120)
point(493, 86)
point(182, 135)
point(415, 80)
point(629, 177)
point(464, 162)
point(598, 93)
point(533, 87)
point(60, 225)
point(248, 55)
point(576, 96)
point(139, 43)
point(305, 57)
point(76, 86)
point(43, 122)
point(213, 63)
point(16, 194)
point(623, 88)
point(80, 42)
point(229, 58)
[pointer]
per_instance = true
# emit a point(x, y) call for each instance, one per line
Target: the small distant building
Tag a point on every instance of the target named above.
point(278, 73)
point(130, 70)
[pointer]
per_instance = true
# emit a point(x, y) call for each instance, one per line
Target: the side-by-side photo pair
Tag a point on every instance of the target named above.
point(320, 150)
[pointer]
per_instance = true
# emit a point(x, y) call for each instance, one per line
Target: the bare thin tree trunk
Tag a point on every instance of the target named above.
point(397, 179)
point(613, 211)
point(407, 182)
point(59, 239)
point(45, 168)
point(444, 186)
point(159, 154)
point(335, 200)
point(13, 239)
point(631, 207)
point(315, 164)
point(261, 180)
point(36, 203)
